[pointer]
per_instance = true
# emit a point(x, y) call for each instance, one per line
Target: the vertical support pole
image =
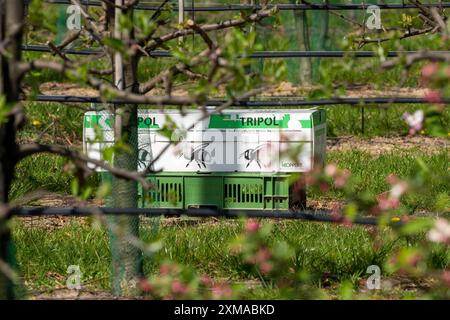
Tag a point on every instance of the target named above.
point(303, 43)
point(362, 120)
point(193, 19)
point(124, 229)
point(248, 68)
point(118, 61)
point(180, 11)
point(180, 15)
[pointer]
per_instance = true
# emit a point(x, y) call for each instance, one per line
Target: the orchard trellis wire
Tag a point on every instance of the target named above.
point(307, 215)
point(282, 6)
point(254, 55)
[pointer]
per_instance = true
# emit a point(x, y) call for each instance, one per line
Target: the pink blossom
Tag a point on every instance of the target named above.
point(324, 187)
point(336, 214)
point(205, 280)
point(414, 259)
point(284, 137)
point(414, 121)
point(252, 226)
point(398, 190)
point(433, 96)
point(222, 291)
point(262, 255)
point(165, 269)
point(178, 287)
point(331, 169)
point(387, 203)
point(447, 72)
point(405, 218)
point(391, 179)
point(265, 267)
point(310, 179)
point(346, 222)
point(446, 278)
point(145, 285)
point(429, 71)
point(341, 179)
point(441, 232)
point(375, 210)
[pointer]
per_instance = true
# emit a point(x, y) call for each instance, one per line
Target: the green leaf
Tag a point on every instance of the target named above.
point(416, 226)
point(115, 44)
point(75, 187)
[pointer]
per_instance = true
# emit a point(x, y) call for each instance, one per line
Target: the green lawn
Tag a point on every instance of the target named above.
point(370, 174)
point(327, 252)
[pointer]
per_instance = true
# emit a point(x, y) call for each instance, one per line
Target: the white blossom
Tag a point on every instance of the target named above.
point(441, 232)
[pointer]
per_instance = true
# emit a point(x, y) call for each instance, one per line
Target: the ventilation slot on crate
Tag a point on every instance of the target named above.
point(243, 193)
point(169, 192)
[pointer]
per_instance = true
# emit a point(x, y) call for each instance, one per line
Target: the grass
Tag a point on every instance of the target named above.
point(44, 256)
point(320, 248)
point(40, 172)
point(344, 120)
point(328, 252)
point(370, 172)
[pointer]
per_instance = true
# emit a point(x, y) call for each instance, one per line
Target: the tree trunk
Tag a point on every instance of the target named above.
point(126, 257)
point(301, 25)
point(11, 17)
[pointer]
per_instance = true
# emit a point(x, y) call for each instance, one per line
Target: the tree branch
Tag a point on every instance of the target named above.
point(80, 160)
point(408, 60)
point(255, 17)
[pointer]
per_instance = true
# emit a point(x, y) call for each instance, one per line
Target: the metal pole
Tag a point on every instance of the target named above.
point(180, 11)
point(362, 120)
point(180, 15)
point(118, 61)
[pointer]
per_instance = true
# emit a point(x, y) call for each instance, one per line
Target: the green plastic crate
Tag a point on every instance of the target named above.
point(218, 190)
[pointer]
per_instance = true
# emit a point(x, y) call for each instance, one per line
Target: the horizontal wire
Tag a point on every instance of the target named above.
point(308, 215)
point(303, 6)
point(254, 55)
point(293, 102)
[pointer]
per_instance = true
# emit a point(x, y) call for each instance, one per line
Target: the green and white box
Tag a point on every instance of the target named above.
point(282, 140)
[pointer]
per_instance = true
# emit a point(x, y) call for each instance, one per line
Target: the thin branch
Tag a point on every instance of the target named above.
point(440, 21)
point(81, 160)
point(71, 37)
point(93, 29)
point(408, 60)
point(192, 25)
point(57, 50)
point(173, 71)
point(409, 33)
point(255, 17)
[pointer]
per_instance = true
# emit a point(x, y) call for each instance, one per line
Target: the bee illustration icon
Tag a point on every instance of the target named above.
point(198, 154)
point(144, 155)
point(252, 155)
